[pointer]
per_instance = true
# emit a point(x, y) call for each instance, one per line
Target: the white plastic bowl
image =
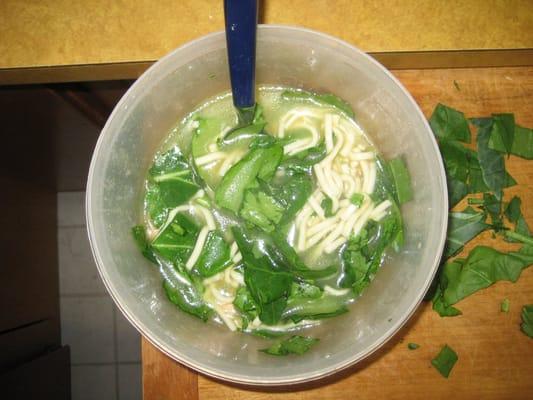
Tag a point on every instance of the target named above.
point(168, 91)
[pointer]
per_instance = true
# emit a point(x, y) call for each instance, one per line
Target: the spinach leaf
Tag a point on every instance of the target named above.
point(491, 162)
point(326, 306)
point(261, 210)
point(449, 124)
point(327, 206)
point(181, 291)
point(245, 304)
point(139, 234)
point(504, 306)
point(463, 227)
point(492, 207)
point(267, 280)
point(402, 180)
point(303, 161)
point(294, 345)
point(215, 256)
point(502, 132)
point(527, 320)
point(521, 139)
point(356, 199)
point(413, 346)
point(483, 267)
point(445, 361)
point(514, 214)
point(258, 163)
point(242, 133)
point(176, 239)
point(319, 99)
point(172, 175)
point(292, 191)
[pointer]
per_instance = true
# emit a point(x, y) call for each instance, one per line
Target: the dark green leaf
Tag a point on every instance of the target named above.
point(445, 361)
point(402, 180)
point(514, 214)
point(174, 246)
point(245, 304)
point(449, 124)
point(446, 273)
point(258, 163)
point(293, 192)
point(182, 291)
point(463, 227)
point(294, 345)
point(527, 320)
point(261, 210)
point(139, 234)
point(172, 174)
point(413, 346)
point(303, 161)
point(493, 207)
point(502, 132)
point(522, 142)
point(215, 255)
point(319, 99)
point(327, 206)
point(491, 162)
point(325, 306)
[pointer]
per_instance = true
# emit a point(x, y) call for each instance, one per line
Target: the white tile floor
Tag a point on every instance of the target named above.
point(105, 348)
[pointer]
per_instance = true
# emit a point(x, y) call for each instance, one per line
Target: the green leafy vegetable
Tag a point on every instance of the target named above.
point(139, 234)
point(261, 210)
point(413, 346)
point(293, 192)
point(319, 99)
point(303, 161)
point(245, 304)
point(215, 255)
point(172, 174)
point(402, 180)
point(527, 320)
point(491, 162)
point(514, 214)
point(294, 345)
point(504, 306)
point(258, 163)
point(521, 145)
point(356, 199)
point(463, 227)
point(181, 291)
point(176, 238)
point(445, 361)
point(327, 206)
point(449, 124)
point(483, 267)
point(503, 128)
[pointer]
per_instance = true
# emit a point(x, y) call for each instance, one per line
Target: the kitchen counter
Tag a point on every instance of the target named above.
point(495, 357)
point(61, 40)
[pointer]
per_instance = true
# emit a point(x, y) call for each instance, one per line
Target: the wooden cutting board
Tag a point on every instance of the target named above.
point(495, 357)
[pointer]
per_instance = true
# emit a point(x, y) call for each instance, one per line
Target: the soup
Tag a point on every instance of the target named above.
point(273, 226)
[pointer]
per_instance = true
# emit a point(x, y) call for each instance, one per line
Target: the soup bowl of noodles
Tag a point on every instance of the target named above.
point(281, 250)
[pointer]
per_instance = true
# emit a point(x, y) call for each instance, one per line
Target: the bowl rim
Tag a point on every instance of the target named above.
point(147, 333)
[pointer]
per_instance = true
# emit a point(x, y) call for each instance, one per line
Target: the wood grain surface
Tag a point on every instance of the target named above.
point(495, 357)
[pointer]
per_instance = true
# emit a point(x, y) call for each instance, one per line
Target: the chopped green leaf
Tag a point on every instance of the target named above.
point(303, 161)
point(261, 210)
point(182, 291)
point(445, 361)
point(413, 346)
point(503, 128)
point(258, 163)
point(327, 206)
point(402, 180)
point(357, 199)
point(215, 255)
point(294, 345)
point(293, 192)
point(245, 304)
point(527, 320)
point(514, 214)
point(491, 162)
point(139, 234)
point(522, 142)
point(463, 227)
point(449, 124)
point(504, 306)
point(171, 245)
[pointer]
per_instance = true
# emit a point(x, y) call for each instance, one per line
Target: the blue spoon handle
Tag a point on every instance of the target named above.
point(241, 25)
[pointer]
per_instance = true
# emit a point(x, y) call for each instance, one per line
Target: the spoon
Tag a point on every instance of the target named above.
point(241, 26)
